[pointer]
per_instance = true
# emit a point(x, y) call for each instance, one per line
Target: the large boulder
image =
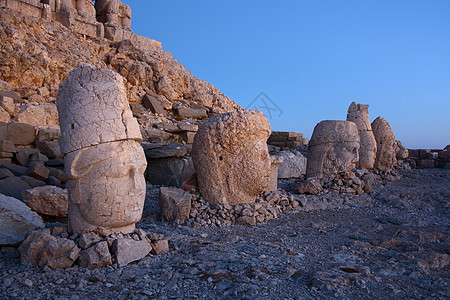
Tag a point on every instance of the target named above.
point(48, 200)
point(231, 157)
point(13, 186)
point(169, 171)
point(333, 148)
point(293, 165)
point(16, 220)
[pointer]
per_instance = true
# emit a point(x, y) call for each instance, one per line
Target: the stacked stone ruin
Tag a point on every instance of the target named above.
point(429, 158)
point(108, 19)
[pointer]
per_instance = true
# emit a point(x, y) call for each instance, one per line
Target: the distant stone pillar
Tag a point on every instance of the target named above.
point(359, 114)
point(276, 161)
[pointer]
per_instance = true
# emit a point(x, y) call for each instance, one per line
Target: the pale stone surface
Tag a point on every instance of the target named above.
point(42, 249)
point(402, 153)
point(175, 203)
point(160, 247)
point(293, 165)
point(231, 157)
point(104, 162)
point(96, 256)
point(94, 109)
point(18, 133)
point(4, 115)
point(48, 200)
point(359, 114)
point(386, 144)
point(333, 148)
point(16, 220)
point(276, 161)
point(126, 251)
point(88, 239)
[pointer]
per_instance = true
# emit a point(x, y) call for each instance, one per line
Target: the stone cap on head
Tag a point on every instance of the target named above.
point(357, 107)
point(330, 131)
point(93, 109)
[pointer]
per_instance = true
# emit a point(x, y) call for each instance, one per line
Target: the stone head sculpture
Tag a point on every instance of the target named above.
point(333, 148)
point(231, 157)
point(103, 160)
point(386, 144)
point(359, 114)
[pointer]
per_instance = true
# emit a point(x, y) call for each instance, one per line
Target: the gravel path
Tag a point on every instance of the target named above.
point(393, 244)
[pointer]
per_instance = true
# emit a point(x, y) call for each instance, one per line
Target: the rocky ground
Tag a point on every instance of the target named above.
point(392, 244)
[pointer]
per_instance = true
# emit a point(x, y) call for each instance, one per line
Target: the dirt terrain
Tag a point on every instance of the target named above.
point(393, 244)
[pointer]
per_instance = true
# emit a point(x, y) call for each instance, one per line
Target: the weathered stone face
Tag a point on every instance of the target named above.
point(231, 157)
point(104, 162)
point(333, 148)
point(386, 144)
point(359, 114)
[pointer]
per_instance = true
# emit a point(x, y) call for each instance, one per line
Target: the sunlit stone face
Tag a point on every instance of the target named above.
point(231, 157)
point(106, 187)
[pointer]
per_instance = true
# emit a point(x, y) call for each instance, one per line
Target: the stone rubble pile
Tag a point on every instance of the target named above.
point(266, 207)
point(283, 140)
point(55, 248)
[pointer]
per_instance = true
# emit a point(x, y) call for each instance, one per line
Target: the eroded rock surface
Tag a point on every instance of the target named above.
point(231, 157)
point(333, 148)
point(386, 144)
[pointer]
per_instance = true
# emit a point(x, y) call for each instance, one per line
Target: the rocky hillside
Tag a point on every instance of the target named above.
point(37, 54)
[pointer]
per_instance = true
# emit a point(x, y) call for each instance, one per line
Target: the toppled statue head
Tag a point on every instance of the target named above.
point(333, 148)
point(359, 114)
point(386, 144)
point(231, 157)
point(104, 162)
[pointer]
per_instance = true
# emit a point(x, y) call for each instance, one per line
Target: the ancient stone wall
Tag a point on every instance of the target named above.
point(109, 19)
point(283, 140)
point(429, 158)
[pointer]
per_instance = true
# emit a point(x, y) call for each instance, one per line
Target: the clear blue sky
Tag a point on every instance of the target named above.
point(313, 58)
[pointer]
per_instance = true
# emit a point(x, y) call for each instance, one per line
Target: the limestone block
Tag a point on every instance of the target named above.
point(48, 200)
point(103, 160)
point(88, 239)
point(153, 104)
point(13, 187)
point(333, 148)
point(185, 113)
point(170, 150)
point(96, 256)
point(165, 88)
point(51, 149)
point(276, 161)
point(7, 146)
point(22, 156)
point(160, 247)
point(7, 104)
point(33, 182)
point(38, 171)
point(231, 157)
point(359, 114)
point(42, 249)
point(4, 115)
point(5, 173)
point(48, 134)
point(32, 114)
point(17, 170)
point(16, 220)
point(188, 137)
point(293, 165)
point(174, 203)
point(6, 155)
point(18, 133)
point(386, 144)
point(126, 251)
